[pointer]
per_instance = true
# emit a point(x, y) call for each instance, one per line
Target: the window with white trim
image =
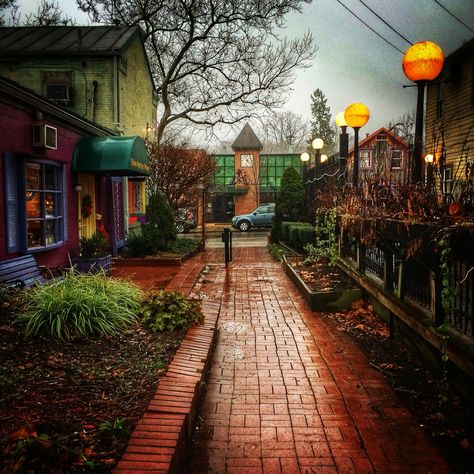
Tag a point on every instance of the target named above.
point(396, 159)
point(447, 181)
point(365, 158)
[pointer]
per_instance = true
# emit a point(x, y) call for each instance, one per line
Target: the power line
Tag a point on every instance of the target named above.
point(370, 28)
point(381, 19)
point(454, 16)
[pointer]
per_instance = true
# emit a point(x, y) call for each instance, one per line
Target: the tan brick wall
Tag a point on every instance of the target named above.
point(135, 95)
point(136, 92)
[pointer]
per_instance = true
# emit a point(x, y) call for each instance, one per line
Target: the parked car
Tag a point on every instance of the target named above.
point(185, 220)
point(260, 217)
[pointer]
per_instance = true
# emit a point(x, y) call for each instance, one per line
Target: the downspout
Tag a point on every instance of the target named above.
point(94, 99)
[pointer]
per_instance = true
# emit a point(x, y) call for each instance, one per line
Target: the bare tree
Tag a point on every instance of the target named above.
point(49, 13)
point(215, 61)
point(177, 172)
point(8, 9)
point(285, 132)
point(404, 126)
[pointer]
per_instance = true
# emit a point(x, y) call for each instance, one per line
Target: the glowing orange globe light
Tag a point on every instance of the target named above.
point(423, 61)
point(356, 115)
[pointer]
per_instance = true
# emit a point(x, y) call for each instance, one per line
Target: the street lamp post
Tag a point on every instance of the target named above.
point(317, 144)
point(202, 188)
point(356, 116)
point(343, 142)
point(421, 63)
point(429, 159)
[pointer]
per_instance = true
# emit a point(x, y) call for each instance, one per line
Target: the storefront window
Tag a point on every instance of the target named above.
point(136, 199)
point(43, 199)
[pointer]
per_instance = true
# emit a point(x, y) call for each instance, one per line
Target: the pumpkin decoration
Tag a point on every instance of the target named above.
point(87, 206)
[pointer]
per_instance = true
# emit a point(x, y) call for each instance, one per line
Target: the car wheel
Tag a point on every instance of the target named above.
point(244, 226)
point(180, 228)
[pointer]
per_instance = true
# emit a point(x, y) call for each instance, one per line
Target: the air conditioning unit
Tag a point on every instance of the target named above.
point(45, 136)
point(59, 92)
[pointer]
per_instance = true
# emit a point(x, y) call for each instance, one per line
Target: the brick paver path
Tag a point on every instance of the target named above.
point(286, 395)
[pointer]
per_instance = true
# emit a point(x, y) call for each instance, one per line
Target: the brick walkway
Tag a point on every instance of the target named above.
point(286, 395)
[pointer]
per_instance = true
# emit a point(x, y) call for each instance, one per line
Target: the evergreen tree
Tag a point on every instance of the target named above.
point(161, 222)
point(290, 203)
point(321, 126)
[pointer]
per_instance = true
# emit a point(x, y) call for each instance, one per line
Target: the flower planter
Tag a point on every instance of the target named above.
point(323, 301)
point(93, 265)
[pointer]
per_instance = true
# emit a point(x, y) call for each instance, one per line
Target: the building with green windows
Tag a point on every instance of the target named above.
point(247, 178)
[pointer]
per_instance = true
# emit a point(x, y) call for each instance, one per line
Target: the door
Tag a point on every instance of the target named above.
point(86, 205)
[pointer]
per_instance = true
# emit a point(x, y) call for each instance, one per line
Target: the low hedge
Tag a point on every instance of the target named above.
point(298, 234)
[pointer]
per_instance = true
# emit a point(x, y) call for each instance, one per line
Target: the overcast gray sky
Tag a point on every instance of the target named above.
point(352, 63)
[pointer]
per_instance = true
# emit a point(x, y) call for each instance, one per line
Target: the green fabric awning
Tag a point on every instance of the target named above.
point(115, 156)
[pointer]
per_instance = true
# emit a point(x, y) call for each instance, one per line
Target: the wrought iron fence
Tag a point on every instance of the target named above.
point(417, 282)
point(462, 281)
point(420, 282)
point(375, 261)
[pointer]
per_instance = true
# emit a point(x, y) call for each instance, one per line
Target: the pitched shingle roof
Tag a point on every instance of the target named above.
point(247, 140)
point(49, 40)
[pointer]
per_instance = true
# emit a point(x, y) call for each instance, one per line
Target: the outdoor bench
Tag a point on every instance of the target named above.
point(22, 272)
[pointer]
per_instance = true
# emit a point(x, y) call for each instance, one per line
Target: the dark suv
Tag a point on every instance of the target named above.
point(260, 217)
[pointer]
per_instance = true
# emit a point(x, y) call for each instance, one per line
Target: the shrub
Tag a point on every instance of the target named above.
point(184, 246)
point(290, 203)
point(300, 234)
point(95, 246)
point(285, 227)
point(325, 245)
point(160, 217)
point(169, 310)
point(148, 242)
point(82, 305)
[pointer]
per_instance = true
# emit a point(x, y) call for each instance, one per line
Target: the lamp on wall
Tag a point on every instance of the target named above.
point(77, 188)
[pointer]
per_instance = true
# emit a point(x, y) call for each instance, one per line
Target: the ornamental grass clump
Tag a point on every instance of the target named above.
point(169, 310)
point(81, 306)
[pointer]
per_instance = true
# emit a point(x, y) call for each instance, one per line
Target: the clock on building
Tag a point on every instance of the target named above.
point(246, 161)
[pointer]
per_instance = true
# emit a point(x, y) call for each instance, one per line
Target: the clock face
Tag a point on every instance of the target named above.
point(246, 160)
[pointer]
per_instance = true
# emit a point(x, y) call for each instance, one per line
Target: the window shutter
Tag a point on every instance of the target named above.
point(11, 203)
point(65, 212)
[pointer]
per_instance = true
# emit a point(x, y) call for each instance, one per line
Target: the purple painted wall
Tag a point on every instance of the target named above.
point(16, 137)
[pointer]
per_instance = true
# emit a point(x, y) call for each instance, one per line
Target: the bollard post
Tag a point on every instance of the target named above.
point(225, 239)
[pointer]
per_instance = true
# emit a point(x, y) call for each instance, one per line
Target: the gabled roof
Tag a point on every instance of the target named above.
point(247, 140)
point(73, 40)
point(384, 130)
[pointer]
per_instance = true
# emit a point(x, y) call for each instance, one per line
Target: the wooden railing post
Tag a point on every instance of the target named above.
point(361, 256)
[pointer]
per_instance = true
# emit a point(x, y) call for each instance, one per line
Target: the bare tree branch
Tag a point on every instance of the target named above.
point(217, 61)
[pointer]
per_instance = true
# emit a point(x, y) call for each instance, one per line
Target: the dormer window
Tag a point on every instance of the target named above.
point(57, 86)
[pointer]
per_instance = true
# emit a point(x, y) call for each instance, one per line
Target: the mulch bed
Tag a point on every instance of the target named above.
point(320, 276)
point(70, 407)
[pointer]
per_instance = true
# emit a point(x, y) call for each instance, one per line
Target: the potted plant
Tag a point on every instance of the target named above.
point(94, 254)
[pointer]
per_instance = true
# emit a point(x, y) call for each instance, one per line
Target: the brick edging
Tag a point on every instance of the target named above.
point(160, 440)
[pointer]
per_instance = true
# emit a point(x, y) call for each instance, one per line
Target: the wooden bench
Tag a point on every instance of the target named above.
point(21, 272)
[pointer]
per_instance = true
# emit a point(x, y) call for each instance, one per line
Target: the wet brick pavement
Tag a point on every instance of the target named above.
point(286, 395)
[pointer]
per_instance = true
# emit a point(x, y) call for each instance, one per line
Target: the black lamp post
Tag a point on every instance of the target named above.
point(202, 188)
point(421, 63)
point(356, 116)
point(343, 142)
